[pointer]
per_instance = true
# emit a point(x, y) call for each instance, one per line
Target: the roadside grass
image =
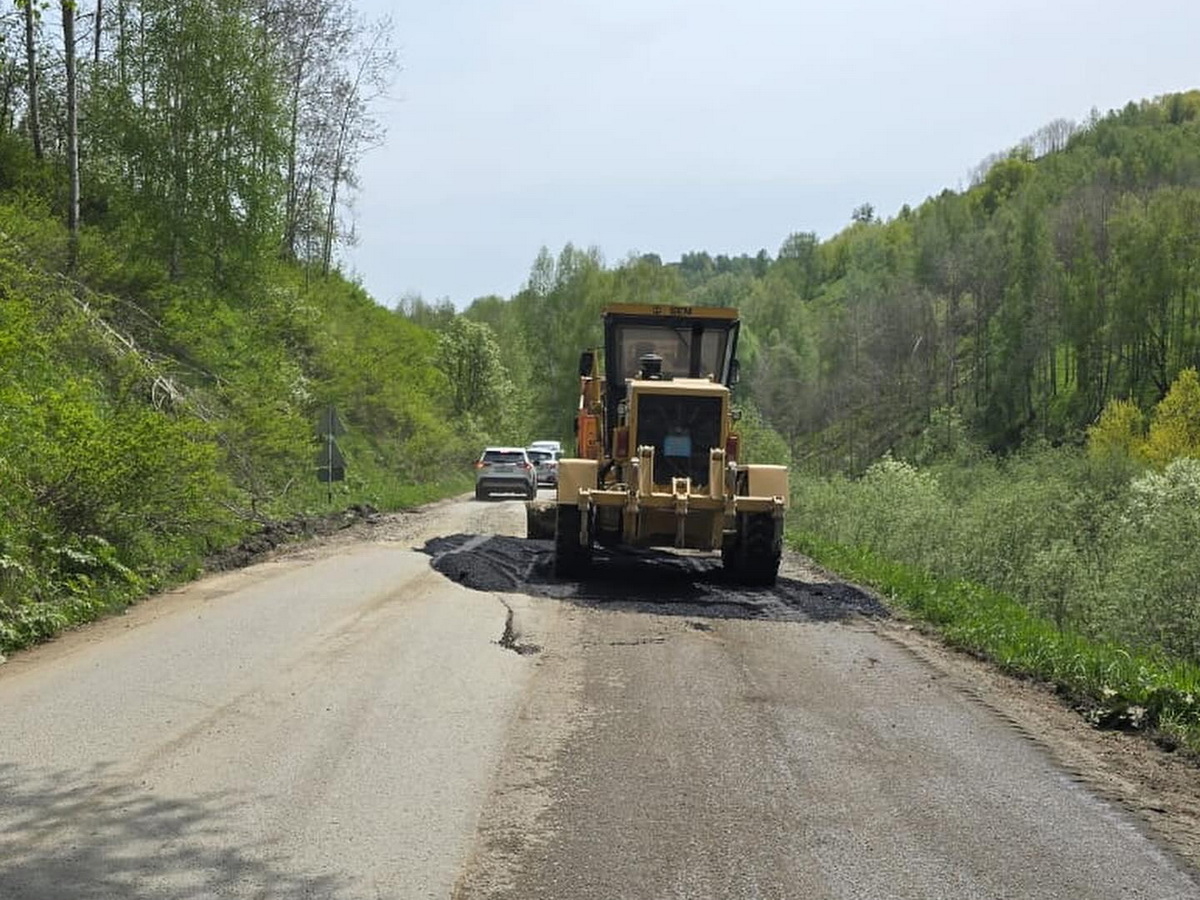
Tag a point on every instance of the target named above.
point(406, 496)
point(1112, 686)
point(376, 489)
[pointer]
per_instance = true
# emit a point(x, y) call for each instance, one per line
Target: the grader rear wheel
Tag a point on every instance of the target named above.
point(761, 550)
point(572, 556)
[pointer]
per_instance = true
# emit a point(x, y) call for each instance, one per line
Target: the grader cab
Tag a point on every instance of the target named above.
point(657, 462)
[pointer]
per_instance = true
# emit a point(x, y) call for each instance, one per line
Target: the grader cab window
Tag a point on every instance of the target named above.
point(686, 352)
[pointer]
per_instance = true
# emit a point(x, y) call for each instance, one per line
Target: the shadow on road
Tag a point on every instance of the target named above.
point(650, 581)
point(86, 835)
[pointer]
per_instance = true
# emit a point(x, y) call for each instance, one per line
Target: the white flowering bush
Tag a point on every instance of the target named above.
point(894, 509)
point(1153, 587)
point(1116, 563)
point(1158, 499)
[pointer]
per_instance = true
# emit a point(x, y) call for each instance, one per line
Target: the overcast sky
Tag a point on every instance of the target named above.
point(666, 126)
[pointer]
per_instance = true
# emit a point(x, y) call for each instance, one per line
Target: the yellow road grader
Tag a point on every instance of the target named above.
point(657, 457)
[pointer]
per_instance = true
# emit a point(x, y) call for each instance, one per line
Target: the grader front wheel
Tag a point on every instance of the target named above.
point(753, 556)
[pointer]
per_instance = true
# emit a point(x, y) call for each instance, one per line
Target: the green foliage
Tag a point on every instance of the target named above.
point(483, 398)
point(1175, 425)
point(759, 442)
point(1155, 561)
point(162, 400)
point(1016, 310)
point(138, 435)
point(1108, 559)
point(1004, 180)
point(1118, 438)
point(556, 316)
point(198, 184)
point(20, 170)
point(106, 494)
point(1118, 433)
point(1065, 278)
point(946, 438)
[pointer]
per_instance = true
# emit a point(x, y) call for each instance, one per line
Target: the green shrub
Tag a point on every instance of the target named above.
point(1109, 559)
point(1119, 432)
point(1175, 425)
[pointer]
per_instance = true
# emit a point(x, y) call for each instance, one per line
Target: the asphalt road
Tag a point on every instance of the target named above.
point(349, 722)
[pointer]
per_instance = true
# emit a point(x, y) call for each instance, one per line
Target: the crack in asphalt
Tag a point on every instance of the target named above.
point(509, 639)
point(651, 581)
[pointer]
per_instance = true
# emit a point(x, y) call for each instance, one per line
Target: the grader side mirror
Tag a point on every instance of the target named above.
point(587, 363)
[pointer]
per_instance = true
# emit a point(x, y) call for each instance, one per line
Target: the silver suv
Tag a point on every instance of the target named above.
point(505, 470)
point(546, 463)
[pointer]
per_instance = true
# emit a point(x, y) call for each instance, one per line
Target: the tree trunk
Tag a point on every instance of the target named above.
point(97, 32)
point(35, 125)
point(6, 102)
point(68, 24)
point(291, 213)
point(331, 218)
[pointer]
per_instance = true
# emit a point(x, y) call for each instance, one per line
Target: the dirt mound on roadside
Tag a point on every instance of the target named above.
point(274, 534)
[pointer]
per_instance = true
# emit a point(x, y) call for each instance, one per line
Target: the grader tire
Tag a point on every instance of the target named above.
point(731, 552)
point(571, 557)
point(760, 550)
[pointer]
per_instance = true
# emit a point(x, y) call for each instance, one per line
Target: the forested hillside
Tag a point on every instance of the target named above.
point(1063, 278)
point(172, 321)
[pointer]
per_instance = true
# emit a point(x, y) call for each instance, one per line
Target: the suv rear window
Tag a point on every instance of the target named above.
point(499, 456)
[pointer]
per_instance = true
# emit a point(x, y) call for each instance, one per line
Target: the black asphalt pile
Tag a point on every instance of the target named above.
point(641, 580)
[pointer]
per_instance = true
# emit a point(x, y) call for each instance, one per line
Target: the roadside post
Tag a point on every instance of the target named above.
point(331, 464)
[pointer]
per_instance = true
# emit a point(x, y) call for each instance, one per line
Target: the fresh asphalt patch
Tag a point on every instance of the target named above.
point(651, 581)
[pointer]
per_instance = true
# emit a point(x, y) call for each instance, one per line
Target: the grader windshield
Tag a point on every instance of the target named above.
point(692, 343)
